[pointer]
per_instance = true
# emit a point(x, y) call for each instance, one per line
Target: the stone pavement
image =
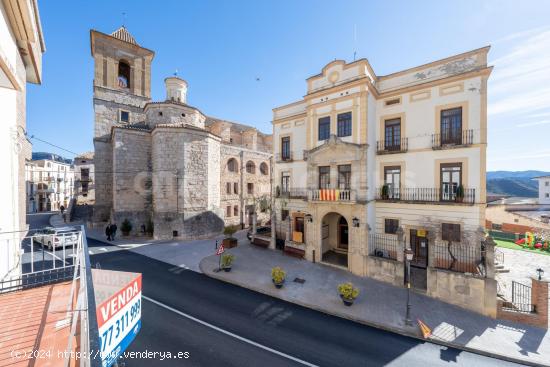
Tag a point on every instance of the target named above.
point(182, 254)
point(522, 265)
point(382, 305)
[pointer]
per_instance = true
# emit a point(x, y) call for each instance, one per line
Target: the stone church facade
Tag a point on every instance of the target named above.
point(166, 162)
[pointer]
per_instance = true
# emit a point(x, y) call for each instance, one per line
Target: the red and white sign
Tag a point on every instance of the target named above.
point(220, 250)
point(119, 320)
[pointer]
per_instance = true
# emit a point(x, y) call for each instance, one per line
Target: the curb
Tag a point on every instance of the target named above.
point(399, 331)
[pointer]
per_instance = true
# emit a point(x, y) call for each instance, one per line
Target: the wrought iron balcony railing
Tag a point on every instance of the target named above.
point(426, 195)
point(284, 157)
point(452, 138)
point(331, 195)
point(292, 193)
point(387, 146)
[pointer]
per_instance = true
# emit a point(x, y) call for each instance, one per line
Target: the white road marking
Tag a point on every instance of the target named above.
point(258, 345)
point(103, 249)
point(178, 269)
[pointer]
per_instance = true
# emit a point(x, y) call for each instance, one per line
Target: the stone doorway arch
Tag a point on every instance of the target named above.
point(335, 239)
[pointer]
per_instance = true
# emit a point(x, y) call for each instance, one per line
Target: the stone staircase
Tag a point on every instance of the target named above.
point(499, 262)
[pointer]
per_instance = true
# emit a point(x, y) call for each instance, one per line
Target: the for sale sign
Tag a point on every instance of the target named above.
point(119, 317)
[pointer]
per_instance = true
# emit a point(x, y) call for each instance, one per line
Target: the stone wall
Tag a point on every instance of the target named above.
point(173, 113)
point(103, 180)
point(131, 176)
point(107, 106)
point(386, 270)
point(467, 291)
point(261, 184)
point(185, 169)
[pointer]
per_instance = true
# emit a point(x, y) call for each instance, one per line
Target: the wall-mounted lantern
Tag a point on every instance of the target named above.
point(309, 218)
point(355, 221)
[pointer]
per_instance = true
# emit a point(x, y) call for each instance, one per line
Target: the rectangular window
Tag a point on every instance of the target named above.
point(228, 187)
point(547, 183)
point(392, 134)
point(124, 116)
point(393, 101)
point(451, 126)
point(392, 178)
point(284, 214)
point(391, 225)
point(344, 124)
point(344, 177)
point(85, 187)
point(236, 211)
point(235, 187)
point(285, 148)
point(324, 177)
point(285, 183)
point(250, 188)
point(451, 179)
point(324, 128)
point(228, 211)
point(450, 232)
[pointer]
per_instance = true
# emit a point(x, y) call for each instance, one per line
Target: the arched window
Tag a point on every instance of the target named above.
point(250, 167)
point(232, 165)
point(264, 169)
point(123, 74)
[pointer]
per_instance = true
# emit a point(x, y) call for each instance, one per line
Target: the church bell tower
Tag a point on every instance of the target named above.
point(122, 87)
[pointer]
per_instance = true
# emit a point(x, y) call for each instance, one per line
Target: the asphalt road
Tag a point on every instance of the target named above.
point(296, 335)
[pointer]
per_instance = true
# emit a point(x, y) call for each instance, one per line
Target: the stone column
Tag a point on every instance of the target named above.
point(402, 245)
point(490, 257)
point(431, 243)
point(539, 298)
point(254, 220)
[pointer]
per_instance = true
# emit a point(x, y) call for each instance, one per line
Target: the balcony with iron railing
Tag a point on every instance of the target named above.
point(284, 157)
point(389, 147)
point(332, 195)
point(426, 195)
point(291, 193)
point(452, 139)
point(386, 246)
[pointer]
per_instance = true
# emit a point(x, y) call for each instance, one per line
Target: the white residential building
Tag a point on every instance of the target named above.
point(84, 171)
point(366, 165)
point(544, 189)
point(21, 48)
point(50, 183)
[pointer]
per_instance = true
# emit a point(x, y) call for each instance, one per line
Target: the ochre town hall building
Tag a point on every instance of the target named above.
point(368, 165)
point(167, 162)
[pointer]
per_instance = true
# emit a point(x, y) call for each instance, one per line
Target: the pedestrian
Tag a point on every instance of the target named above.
point(108, 232)
point(113, 231)
point(62, 209)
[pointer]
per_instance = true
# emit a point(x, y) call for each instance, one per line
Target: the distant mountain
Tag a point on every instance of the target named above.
point(515, 174)
point(514, 183)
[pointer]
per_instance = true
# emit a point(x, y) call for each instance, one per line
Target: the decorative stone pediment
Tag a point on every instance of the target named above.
point(334, 150)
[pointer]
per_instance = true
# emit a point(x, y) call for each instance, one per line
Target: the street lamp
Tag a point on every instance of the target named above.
point(540, 272)
point(408, 258)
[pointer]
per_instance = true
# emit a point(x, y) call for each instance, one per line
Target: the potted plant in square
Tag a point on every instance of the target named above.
point(229, 241)
point(278, 276)
point(348, 293)
point(385, 192)
point(227, 261)
point(459, 194)
point(126, 227)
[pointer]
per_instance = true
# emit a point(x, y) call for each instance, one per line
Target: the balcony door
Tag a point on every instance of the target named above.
point(285, 148)
point(451, 178)
point(392, 178)
point(392, 134)
point(451, 126)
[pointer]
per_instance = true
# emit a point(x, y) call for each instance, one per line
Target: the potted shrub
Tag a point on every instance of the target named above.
point(385, 192)
point(229, 241)
point(278, 276)
point(126, 227)
point(227, 261)
point(459, 194)
point(348, 293)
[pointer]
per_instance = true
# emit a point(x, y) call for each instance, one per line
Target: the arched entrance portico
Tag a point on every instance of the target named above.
point(335, 239)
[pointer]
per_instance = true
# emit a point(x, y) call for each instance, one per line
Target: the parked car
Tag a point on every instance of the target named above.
point(263, 230)
point(53, 238)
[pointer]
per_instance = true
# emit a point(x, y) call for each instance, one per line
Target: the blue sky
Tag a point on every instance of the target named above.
point(221, 47)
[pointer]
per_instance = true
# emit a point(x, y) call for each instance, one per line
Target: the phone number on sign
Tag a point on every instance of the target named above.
point(127, 319)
